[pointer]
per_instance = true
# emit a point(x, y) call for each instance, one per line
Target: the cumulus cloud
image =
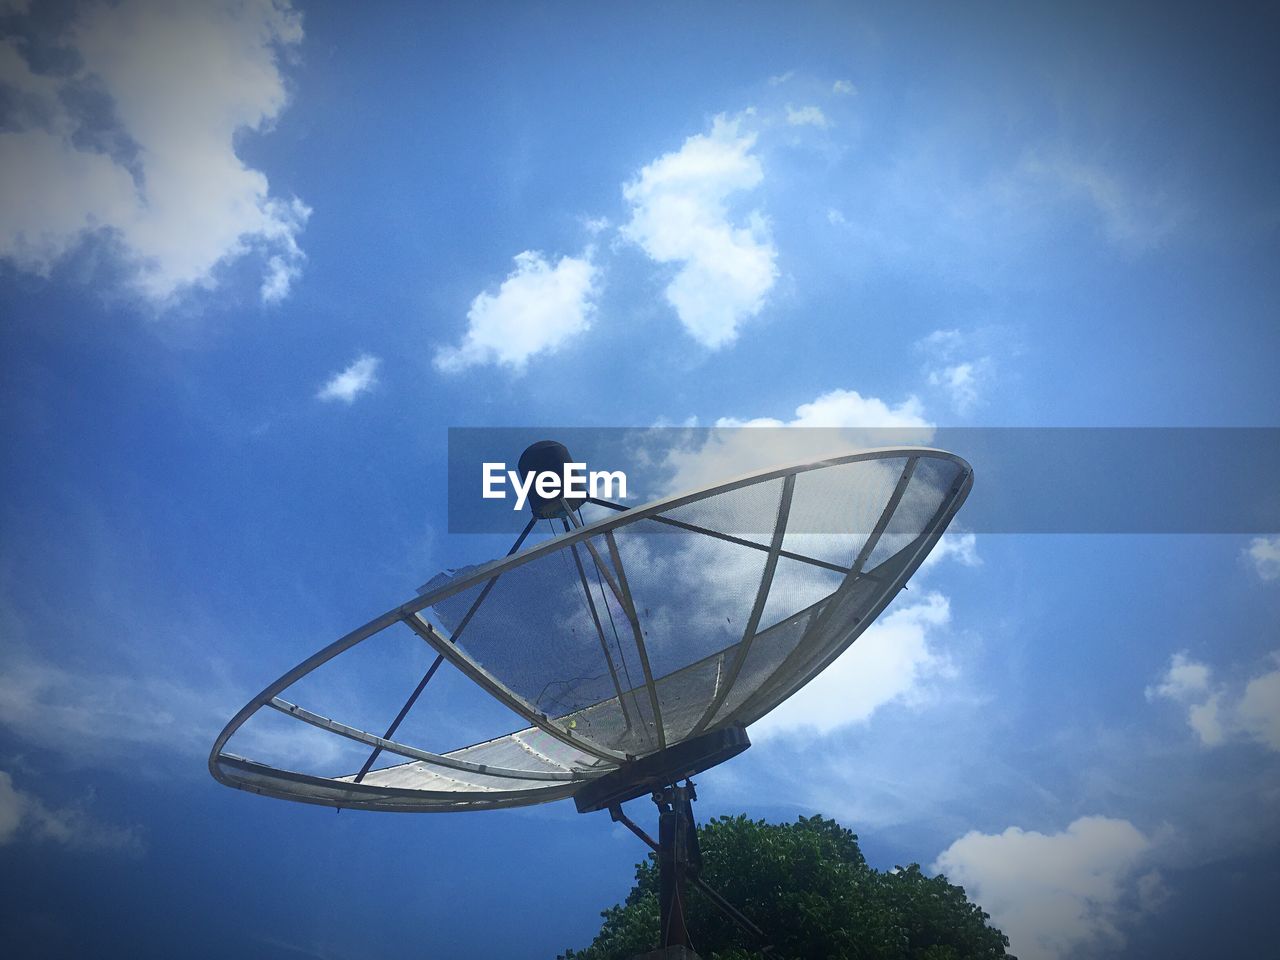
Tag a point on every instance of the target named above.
point(889, 663)
point(960, 380)
point(1185, 678)
point(1207, 721)
point(1054, 895)
point(832, 423)
point(961, 547)
point(1258, 712)
point(679, 215)
point(806, 117)
point(25, 817)
point(11, 809)
point(952, 367)
point(537, 309)
point(1217, 712)
point(843, 408)
point(843, 88)
point(1264, 555)
point(137, 144)
point(360, 377)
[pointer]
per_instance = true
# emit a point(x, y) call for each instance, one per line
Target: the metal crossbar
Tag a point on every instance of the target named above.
point(595, 619)
point(435, 665)
point(413, 753)
point(629, 607)
point(757, 608)
point(727, 537)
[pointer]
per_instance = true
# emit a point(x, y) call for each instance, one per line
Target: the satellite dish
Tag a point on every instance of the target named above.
point(639, 647)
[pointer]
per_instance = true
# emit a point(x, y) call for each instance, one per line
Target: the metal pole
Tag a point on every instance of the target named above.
point(674, 827)
point(675, 804)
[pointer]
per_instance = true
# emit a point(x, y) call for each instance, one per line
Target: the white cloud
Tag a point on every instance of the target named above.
point(1153, 892)
point(679, 215)
point(843, 88)
point(889, 663)
point(1214, 713)
point(360, 377)
point(807, 117)
point(1264, 554)
point(835, 217)
point(23, 816)
point(960, 380)
point(1054, 895)
point(11, 809)
point(282, 270)
point(1185, 679)
point(166, 187)
point(962, 547)
point(1206, 720)
point(843, 408)
point(1258, 712)
point(960, 376)
point(849, 420)
point(780, 78)
point(1189, 683)
point(538, 308)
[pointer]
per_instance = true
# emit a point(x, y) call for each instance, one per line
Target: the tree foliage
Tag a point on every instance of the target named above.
point(807, 885)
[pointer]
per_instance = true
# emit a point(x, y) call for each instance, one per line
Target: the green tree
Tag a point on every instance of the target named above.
point(807, 885)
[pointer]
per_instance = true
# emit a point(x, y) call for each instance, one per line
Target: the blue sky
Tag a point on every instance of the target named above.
point(255, 260)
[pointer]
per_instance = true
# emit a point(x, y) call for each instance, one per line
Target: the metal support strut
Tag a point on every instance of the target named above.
point(680, 862)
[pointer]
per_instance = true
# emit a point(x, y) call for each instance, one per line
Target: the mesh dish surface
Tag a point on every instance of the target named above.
point(621, 638)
